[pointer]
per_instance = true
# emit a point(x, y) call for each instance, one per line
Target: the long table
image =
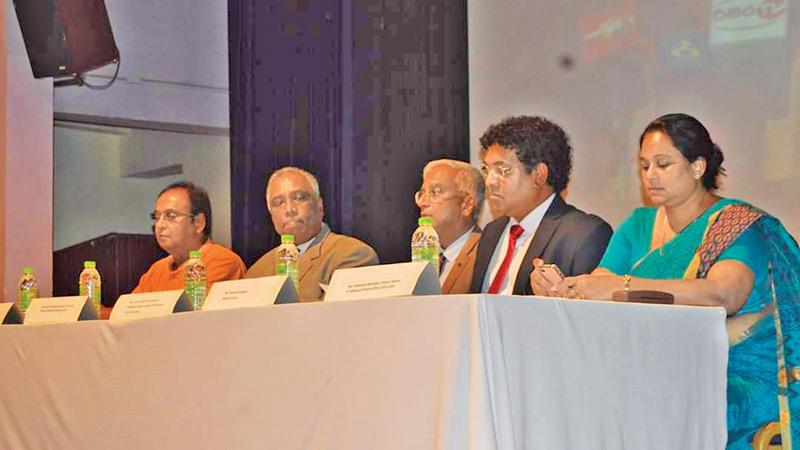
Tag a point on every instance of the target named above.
point(435, 372)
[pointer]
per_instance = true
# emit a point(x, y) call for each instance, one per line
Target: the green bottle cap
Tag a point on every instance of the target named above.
point(425, 221)
point(89, 264)
point(27, 271)
point(195, 254)
point(287, 239)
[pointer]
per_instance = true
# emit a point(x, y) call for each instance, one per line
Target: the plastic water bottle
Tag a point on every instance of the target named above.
point(425, 243)
point(194, 279)
point(28, 290)
point(288, 260)
point(90, 284)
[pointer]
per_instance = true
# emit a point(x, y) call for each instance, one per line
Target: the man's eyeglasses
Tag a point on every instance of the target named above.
point(499, 169)
point(169, 215)
point(297, 197)
point(435, 194)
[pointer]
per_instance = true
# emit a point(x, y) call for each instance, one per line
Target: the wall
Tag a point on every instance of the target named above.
point(92, 198)
point(174, 66)
point(174, 71)
point(27, 175)
point(603, 70)
point(3, 86)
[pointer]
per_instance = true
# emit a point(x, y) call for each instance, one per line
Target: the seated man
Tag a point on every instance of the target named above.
point(526, 164)
point(182, 223)
point(296, 208)
point(452, 194)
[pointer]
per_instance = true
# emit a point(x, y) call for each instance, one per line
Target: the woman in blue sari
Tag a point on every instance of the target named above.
point(710, 251)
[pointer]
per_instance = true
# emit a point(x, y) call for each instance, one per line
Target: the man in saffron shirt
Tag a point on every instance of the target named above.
point(182, 223)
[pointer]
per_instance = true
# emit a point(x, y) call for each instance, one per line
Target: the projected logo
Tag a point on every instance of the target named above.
point(747, 20)
point(685, 49)
point(682, 51)
point(609, 31)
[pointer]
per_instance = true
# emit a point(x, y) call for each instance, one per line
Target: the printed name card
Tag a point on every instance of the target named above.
point(251, 292)
point(59, 310)
point(10, 314)
point(386, 280)
point(151, 304)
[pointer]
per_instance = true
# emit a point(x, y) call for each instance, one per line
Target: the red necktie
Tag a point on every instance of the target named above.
point(516, 231)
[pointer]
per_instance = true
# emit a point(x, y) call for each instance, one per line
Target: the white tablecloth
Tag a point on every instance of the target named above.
point(438, 372)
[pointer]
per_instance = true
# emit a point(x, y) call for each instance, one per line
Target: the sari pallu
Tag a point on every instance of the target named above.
point(764, 355)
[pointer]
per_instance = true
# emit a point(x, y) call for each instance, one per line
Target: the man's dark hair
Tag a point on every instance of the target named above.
point(534, 140)
point(198, 201)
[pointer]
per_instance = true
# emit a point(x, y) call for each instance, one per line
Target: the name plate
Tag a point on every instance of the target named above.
point(251, 292)
point(59, 310)
point(10, 314)
point(151, 304)
point(386, 280)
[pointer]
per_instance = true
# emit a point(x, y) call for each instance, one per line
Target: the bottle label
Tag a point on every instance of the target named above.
point(282, 268)
point(196, 293)
point(190, 290)
point(289, 268)
point(91, 287)
point(25, 297)
point(286, 268)
point(426, 253)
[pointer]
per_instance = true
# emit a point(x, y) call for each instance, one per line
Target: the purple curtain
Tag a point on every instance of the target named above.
point(360, 93)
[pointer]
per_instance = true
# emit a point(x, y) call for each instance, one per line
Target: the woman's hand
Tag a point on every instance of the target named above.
point(600, 285)
point(597, 286)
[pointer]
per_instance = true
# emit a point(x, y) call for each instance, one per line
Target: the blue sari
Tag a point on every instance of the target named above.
point(764, 335)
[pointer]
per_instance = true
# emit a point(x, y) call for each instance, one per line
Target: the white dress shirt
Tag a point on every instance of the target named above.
point(529, 224)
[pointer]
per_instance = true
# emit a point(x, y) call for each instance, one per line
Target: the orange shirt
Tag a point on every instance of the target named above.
point(221, 264)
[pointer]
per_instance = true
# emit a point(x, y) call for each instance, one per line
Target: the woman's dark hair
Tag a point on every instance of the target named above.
point(534, 139)
point(691, 138)
point(198, 201)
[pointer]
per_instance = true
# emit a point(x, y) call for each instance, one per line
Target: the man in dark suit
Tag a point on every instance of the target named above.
point(452, 194)
point(526, 164)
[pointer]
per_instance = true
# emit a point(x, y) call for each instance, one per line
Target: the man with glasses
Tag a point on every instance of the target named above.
point(452, 194)
point(296, 208)
point(526, 165)
point(182, 223)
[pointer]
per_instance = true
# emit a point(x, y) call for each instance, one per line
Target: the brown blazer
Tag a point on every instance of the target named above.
point(328, 252)
point(460, 276)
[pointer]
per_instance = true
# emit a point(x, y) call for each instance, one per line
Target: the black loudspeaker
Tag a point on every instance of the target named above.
point(66, 37)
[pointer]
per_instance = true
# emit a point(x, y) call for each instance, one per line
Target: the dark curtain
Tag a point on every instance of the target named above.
point(360, 93)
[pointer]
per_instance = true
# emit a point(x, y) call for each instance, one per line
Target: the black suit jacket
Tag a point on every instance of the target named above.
point(567, 236)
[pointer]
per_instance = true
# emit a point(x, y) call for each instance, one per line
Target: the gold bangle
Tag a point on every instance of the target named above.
point(626, 282)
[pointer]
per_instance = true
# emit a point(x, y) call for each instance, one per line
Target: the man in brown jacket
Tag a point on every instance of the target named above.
point(452, 194)
point(296, 208)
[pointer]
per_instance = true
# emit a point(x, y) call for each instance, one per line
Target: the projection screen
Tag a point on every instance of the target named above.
point(604, 69)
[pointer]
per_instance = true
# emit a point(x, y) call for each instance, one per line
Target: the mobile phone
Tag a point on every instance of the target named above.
point(551, 273)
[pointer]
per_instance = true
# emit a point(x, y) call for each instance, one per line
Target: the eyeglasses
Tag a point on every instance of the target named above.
point(436, 194)
point(169, 215)
point(296, 196)
point(499, 169)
